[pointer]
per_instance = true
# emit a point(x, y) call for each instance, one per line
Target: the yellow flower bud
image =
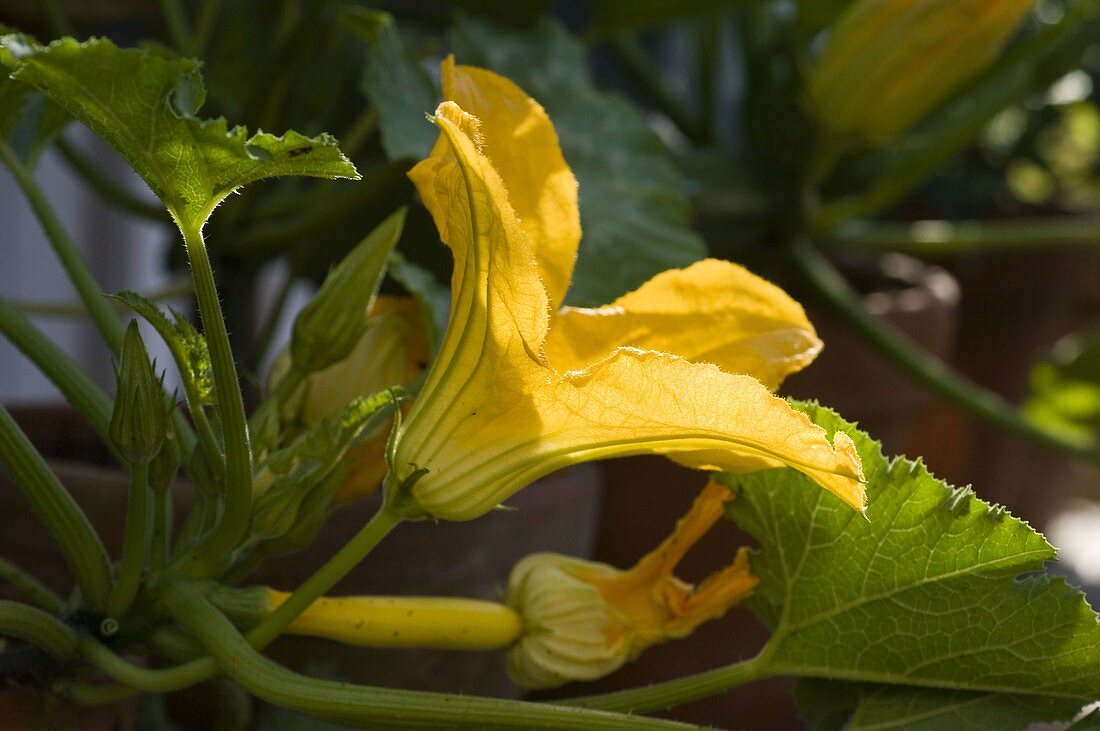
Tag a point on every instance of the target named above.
point(890, 62)
point(583, 620)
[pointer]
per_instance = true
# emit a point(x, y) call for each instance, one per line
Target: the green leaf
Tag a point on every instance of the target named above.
point(1065, 387)
point(926, 591)
point(832, 704)
point(189, 349)
point(28, 121)
point(634, 214)
point(144, 105)
point(398, 88)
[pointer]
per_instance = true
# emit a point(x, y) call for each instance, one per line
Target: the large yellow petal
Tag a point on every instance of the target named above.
point(633, 402)
point(520, 140)
point(713, 311)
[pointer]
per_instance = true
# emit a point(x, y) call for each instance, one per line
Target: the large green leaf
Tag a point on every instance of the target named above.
point(927, 591)
point(144, 105)
point(399, 89)
point(634, 213)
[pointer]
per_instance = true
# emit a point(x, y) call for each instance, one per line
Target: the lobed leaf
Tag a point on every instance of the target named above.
point(144, 105)
point(929, 591)
point(634, 214)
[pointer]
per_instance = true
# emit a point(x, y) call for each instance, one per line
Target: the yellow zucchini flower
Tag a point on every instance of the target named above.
point(522, 387)
point(583, 620)
point(888, 63)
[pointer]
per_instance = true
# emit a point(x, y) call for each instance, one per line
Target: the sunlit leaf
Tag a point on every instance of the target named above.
point(144, 105)
point(929, 591)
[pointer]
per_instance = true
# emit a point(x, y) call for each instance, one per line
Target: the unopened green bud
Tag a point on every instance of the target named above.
point(163, 468)
point(139, 424)
point(890, 62)
point(331, 324)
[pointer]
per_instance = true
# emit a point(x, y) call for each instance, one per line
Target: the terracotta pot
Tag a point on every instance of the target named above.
point(558, 513)
point(644, 496)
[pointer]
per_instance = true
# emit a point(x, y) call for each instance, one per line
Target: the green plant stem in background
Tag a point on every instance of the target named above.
point(39, 594)
point(135, 544)
point(175, 22)
point(204, 26)
point(344, 703)
point(64, 519)
point(933, 238)
point(930, 372)
point(86, 286)
point(233, 524)
point(36, 627)
point(161, 543)
point(108, 189)
point(56, 21)
point(63, 372)
point(643, 70)
point(676, 692)
point(141, 679)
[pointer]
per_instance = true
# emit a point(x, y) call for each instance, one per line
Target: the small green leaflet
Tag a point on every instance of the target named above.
point(927, 591)
point(144, 105)
point(188, 347)
point(634, 214)
point(399, 89)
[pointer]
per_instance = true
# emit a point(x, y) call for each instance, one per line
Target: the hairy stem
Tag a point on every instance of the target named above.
point(135, 544)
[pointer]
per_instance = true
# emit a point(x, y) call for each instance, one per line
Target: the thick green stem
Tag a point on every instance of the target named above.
point(344, 703)
point(676, 692)
point(36, 627)
point(932, 238)
point(233, 523)
point(143, 679)
point(40, 594)
point(925, 369)
point(135, 544)
point(325, 578)
point(162, 528)
point(63, 517)
point(86, 287)
point(79, 390)
point(641, 67)
point(108, 189)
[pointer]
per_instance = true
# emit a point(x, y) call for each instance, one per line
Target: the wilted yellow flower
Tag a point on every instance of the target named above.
point(890, 62)
point(392, 350)
point(520, 390)
point(583, 620)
